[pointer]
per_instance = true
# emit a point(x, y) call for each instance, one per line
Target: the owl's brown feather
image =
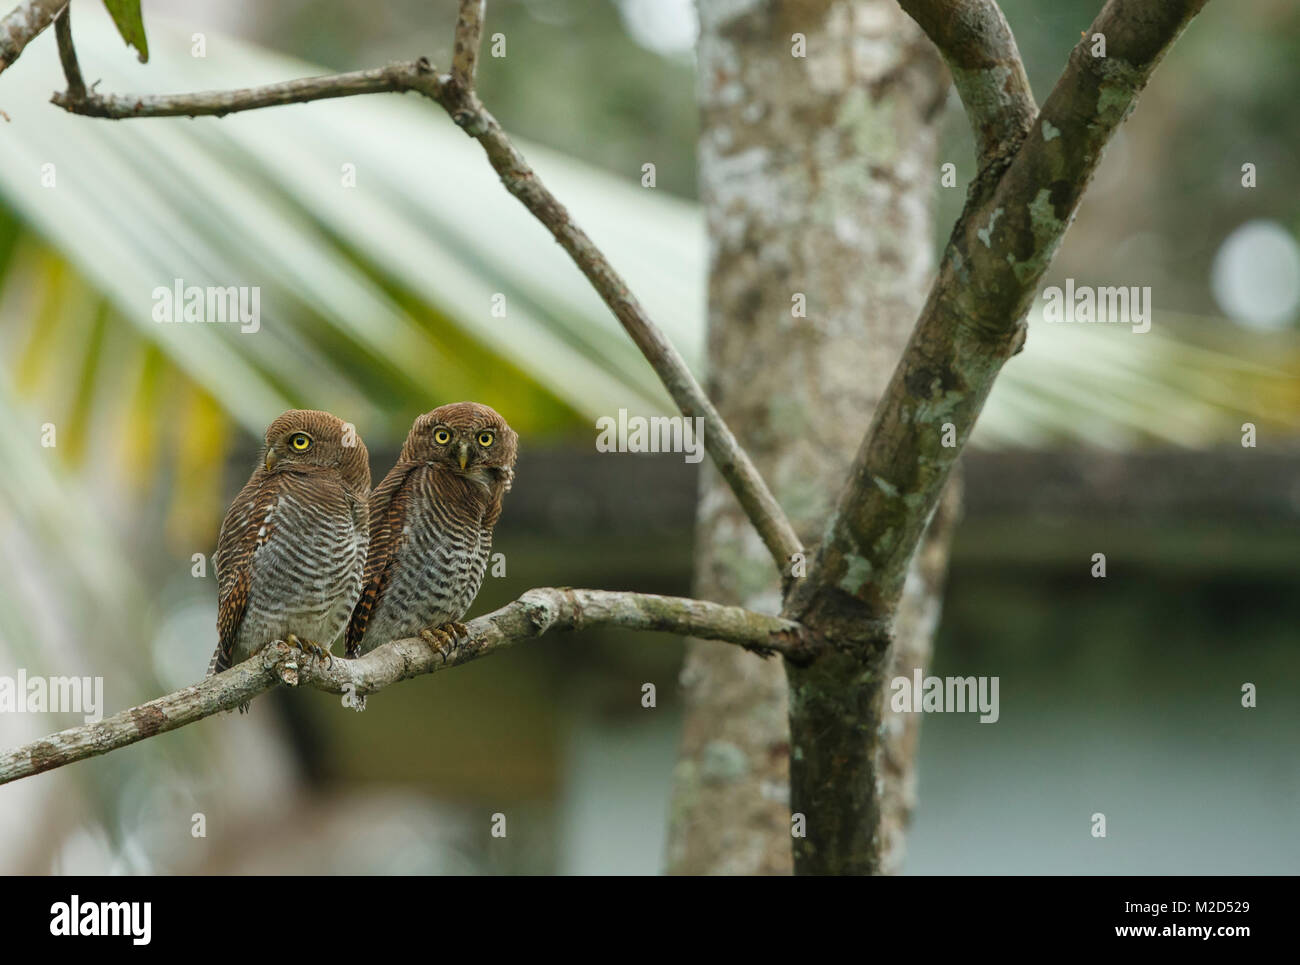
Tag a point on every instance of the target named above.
point(388, 505)
point(240, 537)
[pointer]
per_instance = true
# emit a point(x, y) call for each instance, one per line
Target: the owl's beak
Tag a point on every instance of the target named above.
point(462, 453)
point(271, 458)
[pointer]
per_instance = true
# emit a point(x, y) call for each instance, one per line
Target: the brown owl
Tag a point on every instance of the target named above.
point(292, 549)
point(431, 523)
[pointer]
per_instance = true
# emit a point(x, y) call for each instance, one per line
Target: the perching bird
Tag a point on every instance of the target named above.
point(292, 549)
point(431, 523)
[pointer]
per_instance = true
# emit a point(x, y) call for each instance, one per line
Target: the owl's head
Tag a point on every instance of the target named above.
point(469, 438)
point(307, 440)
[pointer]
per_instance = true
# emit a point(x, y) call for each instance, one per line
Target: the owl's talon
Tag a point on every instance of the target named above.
point(440, 639)
point(310, 647)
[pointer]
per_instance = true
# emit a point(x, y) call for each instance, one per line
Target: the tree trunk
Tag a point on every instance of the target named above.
point(914, 627)
point(817, 176)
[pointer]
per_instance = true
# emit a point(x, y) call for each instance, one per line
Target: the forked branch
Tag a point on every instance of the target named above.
point(974, 318)
point(533, 614)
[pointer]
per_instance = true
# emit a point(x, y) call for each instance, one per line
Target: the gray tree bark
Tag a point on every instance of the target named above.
point(817, 176)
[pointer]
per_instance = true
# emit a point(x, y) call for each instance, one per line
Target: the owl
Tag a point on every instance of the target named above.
point(431, 523)
point(292, 549)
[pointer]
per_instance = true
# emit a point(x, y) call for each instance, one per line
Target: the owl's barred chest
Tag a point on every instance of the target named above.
point(437, 571)
point(307, 571)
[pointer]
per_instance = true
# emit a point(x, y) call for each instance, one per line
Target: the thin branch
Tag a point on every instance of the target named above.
point(397, 77)
point(533, 614)
point(977, 45)
point(974, 319)
point(21, 24)
point(68, 54)
point(469, 30)
point(519, 178)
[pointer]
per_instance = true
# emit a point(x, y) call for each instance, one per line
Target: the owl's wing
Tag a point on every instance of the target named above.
point(246, 526)
point(504, 477)
point(388, 506)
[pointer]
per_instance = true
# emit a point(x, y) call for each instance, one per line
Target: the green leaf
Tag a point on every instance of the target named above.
point(126, 14)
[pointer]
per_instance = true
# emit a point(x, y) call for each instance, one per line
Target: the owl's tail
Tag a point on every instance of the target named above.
point(220, 661)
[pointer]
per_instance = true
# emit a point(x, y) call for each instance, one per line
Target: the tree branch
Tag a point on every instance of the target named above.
point(974, 319)
point(977, 45)
point(68, 54)
point(469, 30)
point(461, 102)
point(21, 24)
point(533, 614)
point(397, 77)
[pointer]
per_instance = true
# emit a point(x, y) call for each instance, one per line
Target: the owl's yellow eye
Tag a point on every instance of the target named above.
point(300, 442)
point(442, 436)
point(485, 439)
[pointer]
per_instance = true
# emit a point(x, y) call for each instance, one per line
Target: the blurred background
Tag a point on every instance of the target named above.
point(379, 236)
